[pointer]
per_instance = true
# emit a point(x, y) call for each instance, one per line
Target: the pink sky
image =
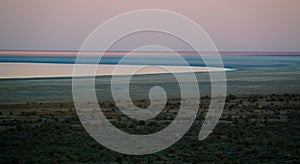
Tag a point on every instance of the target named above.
point(234, 25)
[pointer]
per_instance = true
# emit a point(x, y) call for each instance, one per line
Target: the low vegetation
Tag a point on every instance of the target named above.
point(255, 128)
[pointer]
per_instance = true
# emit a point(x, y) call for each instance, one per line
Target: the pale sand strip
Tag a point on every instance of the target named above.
point(42, 70)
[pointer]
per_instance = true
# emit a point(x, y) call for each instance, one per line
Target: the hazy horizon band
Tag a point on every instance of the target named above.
point(122, 53)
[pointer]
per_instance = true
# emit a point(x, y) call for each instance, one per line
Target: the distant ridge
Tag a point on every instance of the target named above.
point(121, 53)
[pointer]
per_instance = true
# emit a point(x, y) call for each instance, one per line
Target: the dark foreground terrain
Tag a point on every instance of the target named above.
point(253, 128)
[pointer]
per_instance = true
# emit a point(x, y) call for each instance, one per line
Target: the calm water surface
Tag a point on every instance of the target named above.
point(252, 75)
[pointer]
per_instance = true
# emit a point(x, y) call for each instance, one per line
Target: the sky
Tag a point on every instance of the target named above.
point(233, 25)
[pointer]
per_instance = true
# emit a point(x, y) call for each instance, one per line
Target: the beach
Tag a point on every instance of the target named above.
point(11, 70)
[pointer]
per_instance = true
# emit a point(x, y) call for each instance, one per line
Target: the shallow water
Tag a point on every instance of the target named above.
point(252, 75)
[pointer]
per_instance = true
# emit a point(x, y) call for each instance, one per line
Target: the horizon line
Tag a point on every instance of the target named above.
point(117, 52)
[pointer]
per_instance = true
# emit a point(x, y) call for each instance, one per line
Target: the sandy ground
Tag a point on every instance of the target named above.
point(32, 70)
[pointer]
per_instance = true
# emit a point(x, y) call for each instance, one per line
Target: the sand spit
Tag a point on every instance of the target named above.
point(45, 70)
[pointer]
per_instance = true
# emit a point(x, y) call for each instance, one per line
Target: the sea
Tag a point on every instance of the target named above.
point(247, 75)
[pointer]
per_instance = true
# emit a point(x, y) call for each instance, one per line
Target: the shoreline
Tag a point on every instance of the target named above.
point(14, 70)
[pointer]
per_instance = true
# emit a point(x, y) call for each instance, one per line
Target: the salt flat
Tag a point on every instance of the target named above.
point(45, 70)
